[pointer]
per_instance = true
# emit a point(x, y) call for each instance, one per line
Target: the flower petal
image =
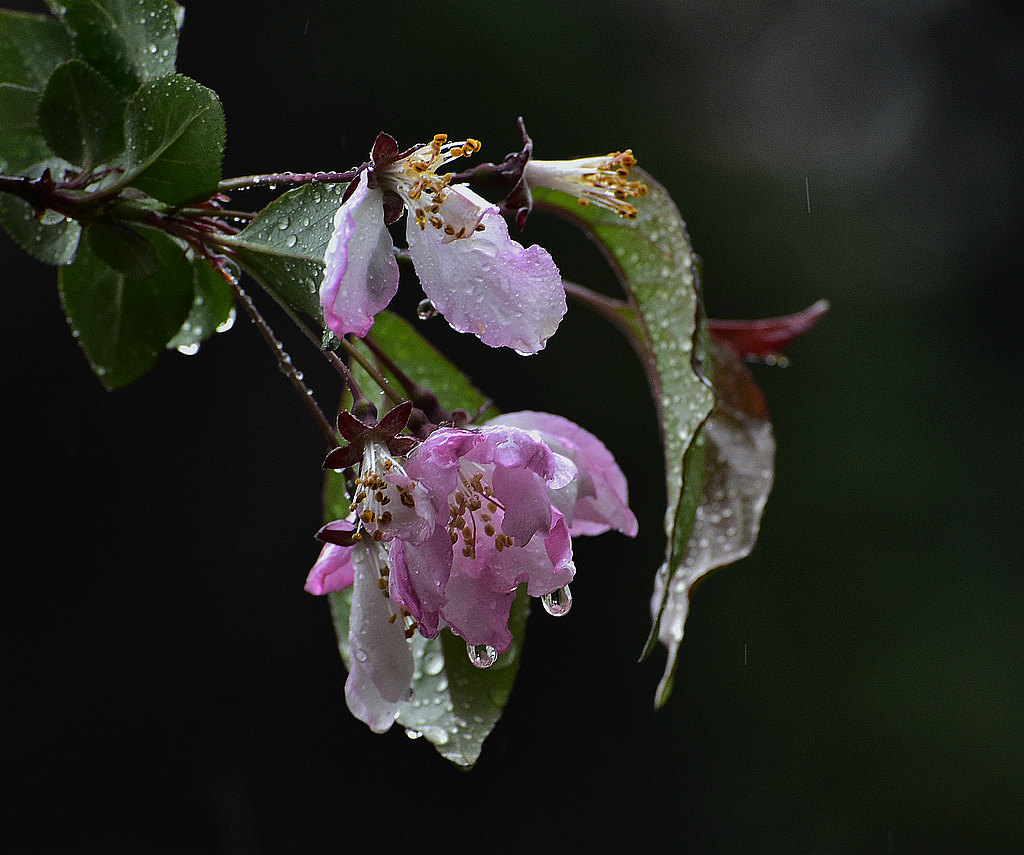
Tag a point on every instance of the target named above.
point(481, 589)
point(419, 573)
point(488, 284)
point(381, 657)
point(360, 270)
point(602, 501)
point(333, 570)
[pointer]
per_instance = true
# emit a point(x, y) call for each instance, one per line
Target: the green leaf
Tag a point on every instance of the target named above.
point(82, 115)
point(175, 133)
point(51, 238)
point(31, 47)
point(283, 248)
point(130, 42)
point(212, 307)
point(454, 705)
point(657, 268)
point(122, 248)
point(738, 450)
point(123, 324)
point(18, 105)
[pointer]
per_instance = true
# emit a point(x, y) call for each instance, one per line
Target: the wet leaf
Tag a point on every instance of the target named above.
point(81, 115)
point(212, 309)
point(657, 269)
point(174, 128)
point(123, 324)
point(130, 42)
point(738, 450)
point(283, 248)
point(31, 47)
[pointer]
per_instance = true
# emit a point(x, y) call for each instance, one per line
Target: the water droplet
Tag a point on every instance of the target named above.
point(557, 603)
point(189, 349)
point(291, 240)
point(433, 664)
point(359, 654)
point(426, 310)
point(228, 322)
point(284, 223)
point(482, 655)
point(413, 734)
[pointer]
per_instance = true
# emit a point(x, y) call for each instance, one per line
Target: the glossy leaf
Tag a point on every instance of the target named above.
point(50, 238)
point(81, 115)
point(130, 42)
point(283, 248)
point(213, 307)
point(738, 448)
point(31, 47)
point(174, 129)
point(123, 324)
point(656, 266)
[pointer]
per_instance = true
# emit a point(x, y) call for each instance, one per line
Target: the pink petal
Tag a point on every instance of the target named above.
point(526, 503)
point(481, 589)
point(488, 284)
point(360, 270)
point(419, 573)
point(333, 570)
point(602, 500)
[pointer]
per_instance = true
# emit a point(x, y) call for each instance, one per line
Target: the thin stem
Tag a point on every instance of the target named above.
point(428, 407)
point(373, 371)
point(621, 314)
point(284, 361)
point(272, 179)
point(216, 213)
point(333, 358)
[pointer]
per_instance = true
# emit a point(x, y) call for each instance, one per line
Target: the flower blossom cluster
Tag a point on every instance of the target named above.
point(471, 271)
point(445, 536)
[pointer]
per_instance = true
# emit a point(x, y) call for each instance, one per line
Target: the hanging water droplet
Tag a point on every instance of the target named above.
point(426, 310)
point(228, 322)
point(482, 655)
point(557, 603)
point(189, 349)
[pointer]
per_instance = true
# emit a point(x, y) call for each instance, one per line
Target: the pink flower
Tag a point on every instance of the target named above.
point(481, 280)
point(505, 499)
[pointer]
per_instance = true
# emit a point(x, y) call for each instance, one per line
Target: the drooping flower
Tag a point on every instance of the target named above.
point(474, 274)
point(506, 497)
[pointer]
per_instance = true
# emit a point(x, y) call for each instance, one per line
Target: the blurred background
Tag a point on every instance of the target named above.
point(855, 685)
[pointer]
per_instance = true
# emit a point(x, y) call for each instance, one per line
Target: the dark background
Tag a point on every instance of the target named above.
point(855, 685)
